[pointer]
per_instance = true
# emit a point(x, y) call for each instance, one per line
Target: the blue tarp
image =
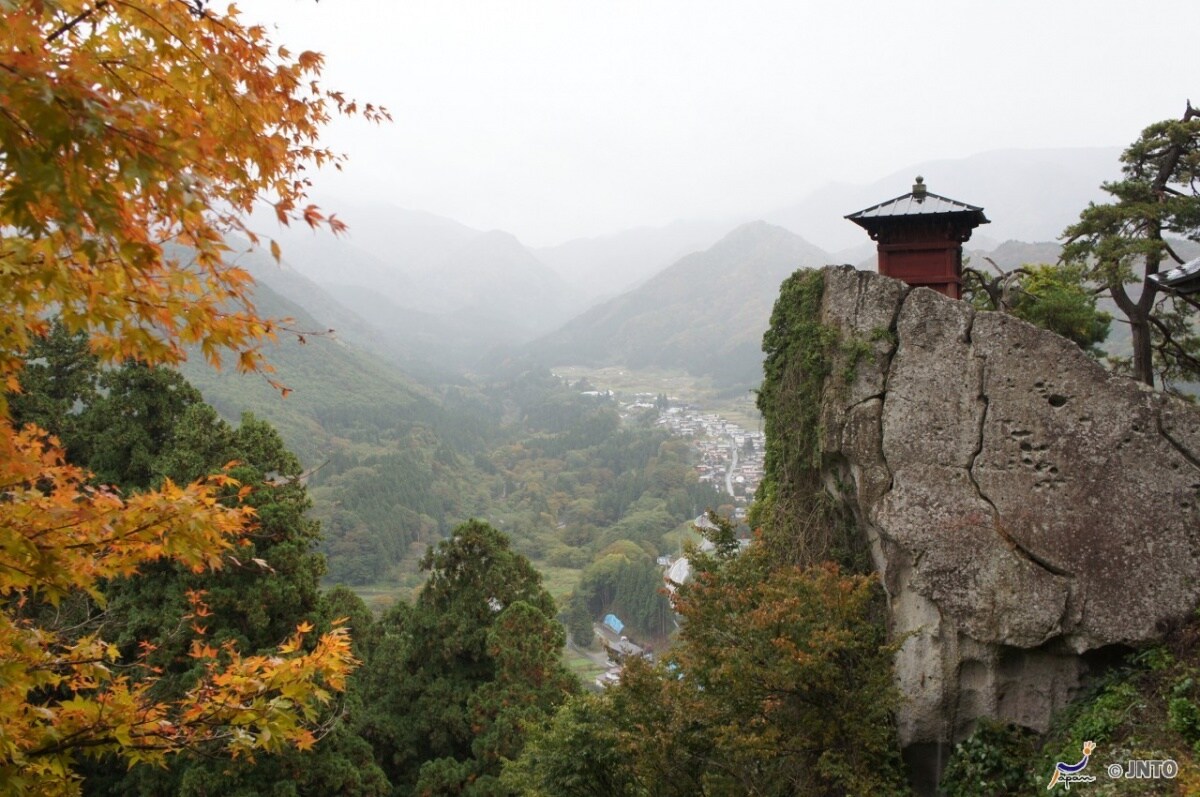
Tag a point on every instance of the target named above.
point(612, 622)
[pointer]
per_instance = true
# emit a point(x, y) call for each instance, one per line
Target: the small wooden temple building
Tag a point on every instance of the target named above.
point(920, 237)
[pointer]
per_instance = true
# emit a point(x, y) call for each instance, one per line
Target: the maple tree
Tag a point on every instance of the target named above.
point(130, 125)
point(135, 135)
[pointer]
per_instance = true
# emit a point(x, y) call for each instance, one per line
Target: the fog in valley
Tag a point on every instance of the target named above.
point(548, 158)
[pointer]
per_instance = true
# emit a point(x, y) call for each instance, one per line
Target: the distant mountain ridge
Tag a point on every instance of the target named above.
point(428, 288)
point(705, 314)
point(605, 266)
point(1028, 195)
point(494, 276)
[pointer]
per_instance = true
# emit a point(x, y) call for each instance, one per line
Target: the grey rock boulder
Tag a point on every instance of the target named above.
point(1026, 509)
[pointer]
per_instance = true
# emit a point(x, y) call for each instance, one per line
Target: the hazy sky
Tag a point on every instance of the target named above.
point(560, 119)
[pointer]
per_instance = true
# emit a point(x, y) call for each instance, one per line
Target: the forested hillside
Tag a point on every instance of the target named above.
point(577, 488)
point(454, 678)
point(704, 314)
point(373, 398)
point(394, 464)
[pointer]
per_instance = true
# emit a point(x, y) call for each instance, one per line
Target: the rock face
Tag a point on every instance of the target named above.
point(1029, 512)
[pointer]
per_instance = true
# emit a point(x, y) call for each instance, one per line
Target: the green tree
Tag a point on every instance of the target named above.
point(1056, 297)
point(131, 422)
point(1121, 244)
point(139, 425)
point(58, 380)
point(578, 753)
point(780, 683)
point(341, 763)
point(458, 677)
point(269, 585)
point(640, 598)
point(579, 620)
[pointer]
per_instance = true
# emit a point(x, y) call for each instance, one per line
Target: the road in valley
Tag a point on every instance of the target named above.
point(732, 468)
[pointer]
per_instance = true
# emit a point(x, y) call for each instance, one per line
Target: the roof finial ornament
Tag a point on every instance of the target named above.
point(918, 191)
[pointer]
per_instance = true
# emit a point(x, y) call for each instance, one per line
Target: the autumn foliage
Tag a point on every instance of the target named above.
point(778, 683)
point(125, 126)
point(129, 131)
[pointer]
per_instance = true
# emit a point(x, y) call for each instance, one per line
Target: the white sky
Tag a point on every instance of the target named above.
point(559, 119)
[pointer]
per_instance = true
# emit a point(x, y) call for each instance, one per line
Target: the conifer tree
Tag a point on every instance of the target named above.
point(457, 678)
point(1122, 244)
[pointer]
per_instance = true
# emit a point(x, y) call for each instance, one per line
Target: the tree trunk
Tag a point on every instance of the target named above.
point(1143, 355)
point(1139, 324)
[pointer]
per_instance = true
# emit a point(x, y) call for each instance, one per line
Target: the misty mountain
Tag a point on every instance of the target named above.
point(330, 261)
point(429, 346)
point(494, 277)
point(425, 344)
point(862, 253)
point(335, 388)
point(489, 291)
point(420, 287)
point(431, 289)
point(383, 242)
point(322, 311)
point(605, 266)
point(327, 313)
point(1028, 195)
point(705, 314)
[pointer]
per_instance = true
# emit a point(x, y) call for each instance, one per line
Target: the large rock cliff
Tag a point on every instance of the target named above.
point(1030, 513)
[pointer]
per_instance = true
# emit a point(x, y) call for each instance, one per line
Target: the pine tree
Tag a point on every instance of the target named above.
point(1124, 243)
point(457, 678)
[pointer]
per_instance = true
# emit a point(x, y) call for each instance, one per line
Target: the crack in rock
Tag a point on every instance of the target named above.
point(997, 523)
point(894, 331)
point(860, 402)
point(1192, 459)
point(981, 396)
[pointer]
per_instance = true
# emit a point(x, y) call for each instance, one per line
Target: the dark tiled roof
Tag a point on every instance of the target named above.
point(1181, 279)
point(910, 205)
point(918, 202)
